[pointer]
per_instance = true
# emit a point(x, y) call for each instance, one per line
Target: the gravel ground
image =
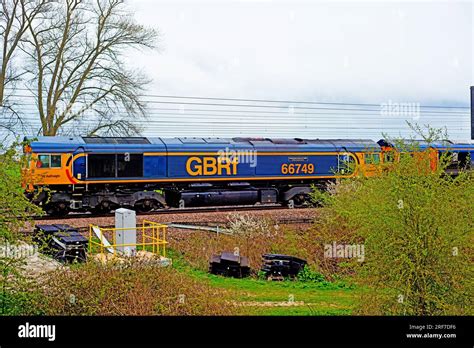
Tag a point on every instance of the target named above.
point(211, 218)
point(32, 264)
point(38, 264)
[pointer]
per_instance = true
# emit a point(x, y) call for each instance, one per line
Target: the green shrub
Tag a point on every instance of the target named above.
point(416, 226)
point(15, 212)
point(308, 275)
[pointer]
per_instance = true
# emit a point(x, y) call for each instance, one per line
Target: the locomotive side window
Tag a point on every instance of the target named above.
point(55, 161)
point(129, 165)
point(101, 166)
point(43, 161)
point(372, 158)
point(49, 161)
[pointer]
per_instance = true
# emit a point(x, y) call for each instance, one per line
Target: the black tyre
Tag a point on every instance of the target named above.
point(57, 209)
point(301, 200)
point(146, 205)
point(103, 207)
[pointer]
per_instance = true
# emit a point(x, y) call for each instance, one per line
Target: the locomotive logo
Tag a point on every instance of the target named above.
point(211, 166)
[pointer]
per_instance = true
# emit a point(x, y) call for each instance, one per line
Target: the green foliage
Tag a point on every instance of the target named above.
point(318, 197)
point(15, 210)
point(308, 275)
point(19, 301)
point(416, 224)
point(261, 275)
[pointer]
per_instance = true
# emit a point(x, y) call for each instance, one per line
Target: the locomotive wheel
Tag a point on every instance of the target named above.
point(146, 205)
point(58, 209)
point(300, 200)
point(103, 207)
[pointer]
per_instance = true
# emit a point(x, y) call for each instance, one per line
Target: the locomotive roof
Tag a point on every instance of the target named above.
point(66, 144)
point(139, 144)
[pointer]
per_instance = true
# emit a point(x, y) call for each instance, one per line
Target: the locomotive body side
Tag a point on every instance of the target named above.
point(100, 174)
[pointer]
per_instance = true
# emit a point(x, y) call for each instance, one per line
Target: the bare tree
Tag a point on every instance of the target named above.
point(76, 65)
point(13, 27)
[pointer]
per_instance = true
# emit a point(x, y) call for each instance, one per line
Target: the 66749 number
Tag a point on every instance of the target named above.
point(297, 168)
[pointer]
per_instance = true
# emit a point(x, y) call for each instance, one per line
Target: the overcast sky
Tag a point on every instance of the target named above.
point(331, 50)
point(366, 52)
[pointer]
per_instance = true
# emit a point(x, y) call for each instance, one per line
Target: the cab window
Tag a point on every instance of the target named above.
point(372, 158)
point(55, 161)
point(49, 161)
point(43, 161)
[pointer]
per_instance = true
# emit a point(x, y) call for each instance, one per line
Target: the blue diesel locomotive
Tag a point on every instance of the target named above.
point(102, 173)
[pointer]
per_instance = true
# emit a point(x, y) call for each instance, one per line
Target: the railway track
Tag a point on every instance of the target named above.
point(206, 222)
point(85, 229)
point(168, 211)
point(286, 221)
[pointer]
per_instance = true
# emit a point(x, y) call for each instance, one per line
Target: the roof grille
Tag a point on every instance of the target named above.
point(115, 140)
point(295, 141)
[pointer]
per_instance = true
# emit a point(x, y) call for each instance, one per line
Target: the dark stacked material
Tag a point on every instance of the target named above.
point(282, 266)
point(229, 265)
point(62, 242)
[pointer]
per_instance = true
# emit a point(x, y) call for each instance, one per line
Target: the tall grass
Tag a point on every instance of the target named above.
point(132, 288)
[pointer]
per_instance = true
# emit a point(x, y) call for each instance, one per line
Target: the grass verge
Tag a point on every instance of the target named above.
point(262, 297)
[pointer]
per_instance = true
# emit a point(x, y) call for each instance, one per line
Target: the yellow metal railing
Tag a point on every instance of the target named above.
point(153, 238)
